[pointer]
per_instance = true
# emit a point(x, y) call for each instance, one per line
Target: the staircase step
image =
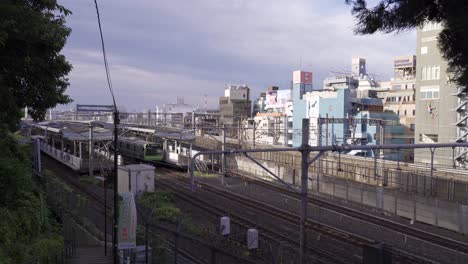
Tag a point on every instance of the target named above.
point(95, 255)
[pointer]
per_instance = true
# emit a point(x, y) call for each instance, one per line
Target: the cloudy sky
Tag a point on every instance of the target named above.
point(158, 50)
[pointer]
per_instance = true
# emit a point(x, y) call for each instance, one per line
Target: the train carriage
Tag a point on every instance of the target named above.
point(140, 149)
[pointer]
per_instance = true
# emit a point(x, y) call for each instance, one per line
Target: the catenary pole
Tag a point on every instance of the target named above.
point(305, 151)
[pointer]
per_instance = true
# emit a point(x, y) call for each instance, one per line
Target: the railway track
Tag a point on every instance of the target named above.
point(99, 200)
point(368, 218)
point(265, 232)
point(399, 255)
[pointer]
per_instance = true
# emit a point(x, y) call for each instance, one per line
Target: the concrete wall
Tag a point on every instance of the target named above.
point(363, 190)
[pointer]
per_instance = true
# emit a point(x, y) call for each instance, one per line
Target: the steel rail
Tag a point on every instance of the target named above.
point(267, 232)
point(334, 233)
point(447, 243)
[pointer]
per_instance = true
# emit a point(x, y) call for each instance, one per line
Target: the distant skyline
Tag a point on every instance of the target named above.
point(159, 50)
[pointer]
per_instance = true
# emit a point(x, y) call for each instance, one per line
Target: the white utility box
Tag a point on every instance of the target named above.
point(225, 225)
point(252, 238)
point(136, 178)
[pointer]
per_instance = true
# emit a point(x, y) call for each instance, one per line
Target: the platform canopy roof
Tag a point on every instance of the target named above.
point(75, 131)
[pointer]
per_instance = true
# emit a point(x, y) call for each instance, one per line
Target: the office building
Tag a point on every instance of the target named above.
point(235, 106)
point(441, 115)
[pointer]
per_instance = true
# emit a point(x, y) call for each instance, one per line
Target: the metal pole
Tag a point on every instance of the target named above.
point(91, 165)
point(254, 126)
point(453, 158)
point(176, 246)
point(319, 143)
point(238, 134)
point(326, 130)
point(105, 214)
point(223, 156)
point(116, 184)
point(305, 151)
point(432, 162)
point(146, 243)
point(193, 122)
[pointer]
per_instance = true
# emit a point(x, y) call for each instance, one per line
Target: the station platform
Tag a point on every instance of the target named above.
point(87, 255)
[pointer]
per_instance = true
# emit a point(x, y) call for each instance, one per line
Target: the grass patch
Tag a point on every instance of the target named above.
point(89, 180)
point(165, 210)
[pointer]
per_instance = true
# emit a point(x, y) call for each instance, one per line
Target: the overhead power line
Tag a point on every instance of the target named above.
point(106, 65)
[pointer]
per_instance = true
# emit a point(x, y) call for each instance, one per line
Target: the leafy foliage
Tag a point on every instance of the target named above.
point(32, 70)
point(164, 210)
point(26, 230)
point(399, 15)
point(162, 205)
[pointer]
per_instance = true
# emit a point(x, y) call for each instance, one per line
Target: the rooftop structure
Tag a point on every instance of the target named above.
point(235, 105)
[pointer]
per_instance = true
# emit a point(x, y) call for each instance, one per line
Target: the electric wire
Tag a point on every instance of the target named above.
point(106, 65)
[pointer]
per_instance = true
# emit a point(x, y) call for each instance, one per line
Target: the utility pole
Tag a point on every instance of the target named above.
point(285, 130)
point(116, 184)
point(149, 117)
point(326, 130)
point(305, 151)
point(319, 143)
point(91, 150)
point(223, 156)
point(254, 126)
point(239, 133)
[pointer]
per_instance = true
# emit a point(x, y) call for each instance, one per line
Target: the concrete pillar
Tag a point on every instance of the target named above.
point(380, 197)
point(464, 218)
point(79, 149)
point(362, 195)
point(91, 151)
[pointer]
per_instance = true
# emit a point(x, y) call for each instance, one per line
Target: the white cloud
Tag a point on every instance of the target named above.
point(143, 88)
point(159, 50)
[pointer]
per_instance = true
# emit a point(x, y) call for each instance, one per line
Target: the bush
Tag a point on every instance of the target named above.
point(26, 231)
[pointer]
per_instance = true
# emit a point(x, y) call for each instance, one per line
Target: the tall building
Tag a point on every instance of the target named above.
point(235, 105)
point(273, 124)
point(399, 97)
point(440, 108)
point(358, 67)
point(302, 83)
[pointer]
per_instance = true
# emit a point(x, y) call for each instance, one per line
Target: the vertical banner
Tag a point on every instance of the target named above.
point(127, 222)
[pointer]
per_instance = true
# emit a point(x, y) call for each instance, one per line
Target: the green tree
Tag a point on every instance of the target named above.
point(399, 15)
point(27, 230)
point(32, 70)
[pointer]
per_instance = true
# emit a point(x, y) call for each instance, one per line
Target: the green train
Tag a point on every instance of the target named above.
point(140, 149)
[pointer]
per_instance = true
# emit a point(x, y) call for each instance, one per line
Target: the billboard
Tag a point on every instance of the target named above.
point(127, 222)
point(277, 98)
point(302, 77)
point(404, 62)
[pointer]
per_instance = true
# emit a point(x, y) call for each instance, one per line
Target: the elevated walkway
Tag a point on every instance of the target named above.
point(91, 254)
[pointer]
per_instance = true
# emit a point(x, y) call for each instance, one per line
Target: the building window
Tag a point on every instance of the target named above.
point(430, 25)
point(414, 112)
point(428, 138)
point(424, 50)
point(430, 73)
point(405, 112)
point(429, 92)
point(396, 87)
point(436, 72)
